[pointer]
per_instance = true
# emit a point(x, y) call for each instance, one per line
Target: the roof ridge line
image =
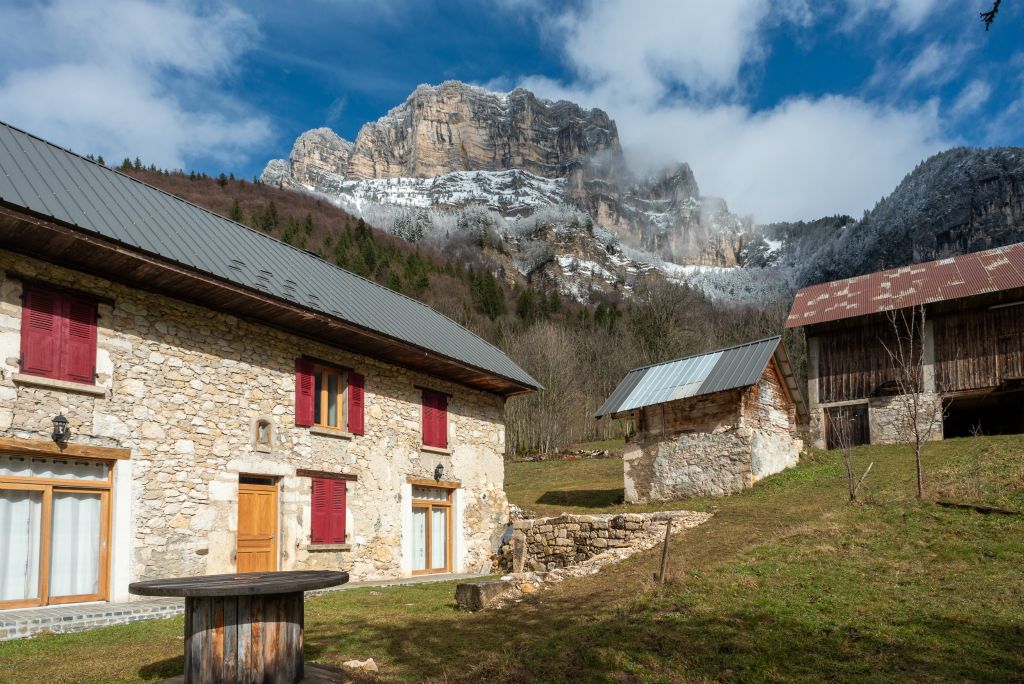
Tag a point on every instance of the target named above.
point(707, 353)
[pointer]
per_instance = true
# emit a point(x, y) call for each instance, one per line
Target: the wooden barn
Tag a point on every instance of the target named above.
point(970, 347)
point(710, 424)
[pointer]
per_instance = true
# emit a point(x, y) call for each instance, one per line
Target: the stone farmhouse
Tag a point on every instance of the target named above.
point(711, 424)
point(182, 395)
point(970, 352)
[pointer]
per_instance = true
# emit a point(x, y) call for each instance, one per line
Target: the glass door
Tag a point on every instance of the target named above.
point(77, 541)
point(431, 530)
point(21, 531)
point(54, 527)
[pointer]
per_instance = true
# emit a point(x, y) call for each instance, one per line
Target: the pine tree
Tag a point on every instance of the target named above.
point(526, 307)
point(271, 219)
point(137, 165)
point(126, 165)
point(99, 160)
point(236, 211)
point(222, 180)
point(291, 228)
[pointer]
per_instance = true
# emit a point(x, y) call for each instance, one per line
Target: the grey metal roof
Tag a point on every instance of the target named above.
point(692, 376)
point(49, 180)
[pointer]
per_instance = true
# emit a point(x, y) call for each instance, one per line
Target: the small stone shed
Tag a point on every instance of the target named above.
point(711, 424)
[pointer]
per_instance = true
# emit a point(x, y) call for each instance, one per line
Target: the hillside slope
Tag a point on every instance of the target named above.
point(786, 582)
point(958, 201)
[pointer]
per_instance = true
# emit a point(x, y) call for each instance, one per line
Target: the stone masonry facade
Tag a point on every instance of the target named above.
point(182, 387)
point(713, 444)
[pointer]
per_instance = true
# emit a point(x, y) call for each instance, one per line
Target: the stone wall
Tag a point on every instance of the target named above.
point(714, 444)
point(543, 544)
point(890, 422)
point(182, 387)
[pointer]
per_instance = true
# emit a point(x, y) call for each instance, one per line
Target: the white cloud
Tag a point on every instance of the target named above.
point(803, 158)
point(128, 79)
point(974, 95)
point(642, 48)
point(933, 62)
point(907, 15)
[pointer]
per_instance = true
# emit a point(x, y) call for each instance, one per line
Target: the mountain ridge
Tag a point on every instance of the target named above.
point(453, 146)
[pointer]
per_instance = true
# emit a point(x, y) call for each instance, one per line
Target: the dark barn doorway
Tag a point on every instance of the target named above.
point(998, 413)
point(846, 426)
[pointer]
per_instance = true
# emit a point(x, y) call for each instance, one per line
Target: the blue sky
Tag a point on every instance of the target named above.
point(786, 109)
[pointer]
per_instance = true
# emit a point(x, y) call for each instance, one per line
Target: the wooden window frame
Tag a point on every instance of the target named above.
point(431, 504)
point(320, 421)
point(47, 486)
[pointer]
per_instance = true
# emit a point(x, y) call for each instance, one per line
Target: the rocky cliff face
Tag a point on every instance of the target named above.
point(455, 145)
point(455, 127)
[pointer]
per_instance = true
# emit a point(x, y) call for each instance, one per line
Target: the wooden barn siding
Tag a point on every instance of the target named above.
point(975, 349)
point(852, 361)
point(978, 349)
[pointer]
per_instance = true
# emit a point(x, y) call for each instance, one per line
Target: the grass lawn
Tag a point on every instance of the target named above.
point(786, 582)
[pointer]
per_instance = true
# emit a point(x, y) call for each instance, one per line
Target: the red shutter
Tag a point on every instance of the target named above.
point(428, 418)
point(355, 403)
point(337, 535)
point(78, 353)
point(441, 416)
point(40, 333)
point(304, 391)
point(435, 419)
point(320, 520)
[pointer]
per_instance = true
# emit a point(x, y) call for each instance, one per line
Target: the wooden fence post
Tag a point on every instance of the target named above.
point(664, 552)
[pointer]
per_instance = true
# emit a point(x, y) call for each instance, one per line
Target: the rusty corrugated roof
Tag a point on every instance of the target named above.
point(966, 275)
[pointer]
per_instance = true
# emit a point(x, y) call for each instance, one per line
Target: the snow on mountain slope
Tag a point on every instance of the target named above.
point(510, 193)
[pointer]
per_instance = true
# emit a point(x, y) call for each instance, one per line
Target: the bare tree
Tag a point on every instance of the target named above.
point(918, 413)
point(841, 428)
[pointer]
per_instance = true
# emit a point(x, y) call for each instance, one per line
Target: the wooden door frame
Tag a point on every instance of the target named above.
point(104, 569)
point(430, 504)
point(275, 488)
point(105, 488)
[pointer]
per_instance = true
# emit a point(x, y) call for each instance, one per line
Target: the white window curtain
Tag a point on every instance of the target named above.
point(75, 545)
point(419, 539)
point(20, 522)
point(438, 538)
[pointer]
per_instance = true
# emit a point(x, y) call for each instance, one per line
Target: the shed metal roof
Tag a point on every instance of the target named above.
point(40, 177)
point(715, 371)
point(961, 276)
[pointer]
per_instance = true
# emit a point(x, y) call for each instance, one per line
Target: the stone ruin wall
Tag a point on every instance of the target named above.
point(544, 544)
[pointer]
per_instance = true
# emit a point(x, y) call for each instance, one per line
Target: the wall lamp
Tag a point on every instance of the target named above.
point(61, 430)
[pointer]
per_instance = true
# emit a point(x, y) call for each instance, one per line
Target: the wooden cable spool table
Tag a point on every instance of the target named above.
point(244, 627)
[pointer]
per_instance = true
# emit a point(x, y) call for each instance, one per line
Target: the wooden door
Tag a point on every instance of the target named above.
point(257, 525)
point(847, 426)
